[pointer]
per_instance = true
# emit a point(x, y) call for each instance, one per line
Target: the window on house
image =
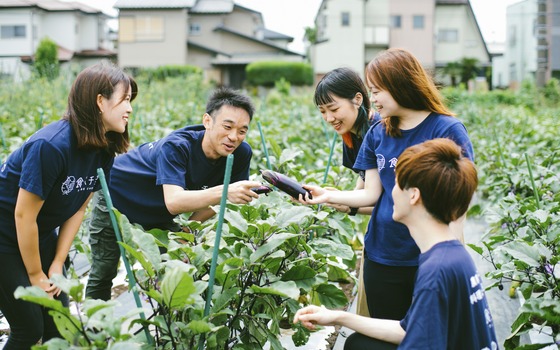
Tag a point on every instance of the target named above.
point(194, 29)
point(512, 36)
point(12, 31)
point(418, 22)
point(396, 21)
point(448, 35)
point(345, 17)
point(141, 28)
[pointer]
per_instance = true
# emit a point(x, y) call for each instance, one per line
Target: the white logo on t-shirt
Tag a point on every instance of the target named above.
point(380, 162)
point(68, 185)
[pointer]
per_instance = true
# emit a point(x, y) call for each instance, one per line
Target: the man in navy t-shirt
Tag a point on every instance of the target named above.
point(434, 186)
point(181, 173)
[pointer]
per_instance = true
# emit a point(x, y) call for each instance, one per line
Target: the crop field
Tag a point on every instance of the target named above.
point(276, 256)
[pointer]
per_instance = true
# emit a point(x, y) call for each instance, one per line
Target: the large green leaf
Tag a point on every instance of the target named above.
point(329, 248)
point(329, 296)
point(146, 242)
point(140, 258)
point(224, 298)
point(273, 243)
point(303, 276)
point(236, 220)
point(293, 215)
point(71, 287)
point(281, 288)
point(176, 288)
point(38, 296)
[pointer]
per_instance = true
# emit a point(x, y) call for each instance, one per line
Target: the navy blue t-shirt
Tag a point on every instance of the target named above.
point(178, 159)
point(49, 165)
point(388, 242)
point(449, 308)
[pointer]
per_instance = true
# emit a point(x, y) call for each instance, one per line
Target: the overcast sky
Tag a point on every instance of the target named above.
point(292, 16)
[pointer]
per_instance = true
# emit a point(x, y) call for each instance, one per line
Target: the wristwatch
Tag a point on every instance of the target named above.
point(353, 211)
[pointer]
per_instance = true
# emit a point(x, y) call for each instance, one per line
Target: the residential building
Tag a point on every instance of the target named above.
point(217, 35)
point(521, 60)
point(80, 31)
point(351, 32)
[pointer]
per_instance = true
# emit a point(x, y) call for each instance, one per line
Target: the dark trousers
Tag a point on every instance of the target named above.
point(105, 252)
point(357, 341)
point(388, 289)
point(29, 322)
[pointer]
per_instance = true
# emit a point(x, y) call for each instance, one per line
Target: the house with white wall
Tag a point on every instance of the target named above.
point(520, 60)
point(351, 32)
point(219, 36)
point(80, 32)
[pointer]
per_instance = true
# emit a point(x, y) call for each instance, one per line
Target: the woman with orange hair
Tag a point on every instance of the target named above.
point(412, 112)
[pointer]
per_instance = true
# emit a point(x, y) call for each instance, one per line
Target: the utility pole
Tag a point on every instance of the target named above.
point(542, 44)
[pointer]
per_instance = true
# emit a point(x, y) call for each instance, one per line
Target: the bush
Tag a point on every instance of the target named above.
point(46, 59)
point(267, 73)
point(163, 72)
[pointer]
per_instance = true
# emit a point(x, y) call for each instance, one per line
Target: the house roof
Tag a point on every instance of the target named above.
point(206, 48)
point(212, 6)
point(154, 4)
point(51, 5)
point(236, 33)
point(65, 55)
point(272, 35)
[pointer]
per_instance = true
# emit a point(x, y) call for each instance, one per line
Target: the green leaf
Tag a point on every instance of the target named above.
point(39, 296)
point(68, 326)
point(199, 326)
point(303, 276)
point(140, 258)
point(147, 243)
point(281, 288)
point(236, 220)
point(293, 215)
point(329, 248)
point(71, 287)
point(273, 243)
point(329, 296)
point(176, 288)
point(224, 298)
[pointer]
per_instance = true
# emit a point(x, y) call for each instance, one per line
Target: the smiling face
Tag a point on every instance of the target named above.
point(116, 109)
point(341, 113)
point(225, 131)
point(384, 102)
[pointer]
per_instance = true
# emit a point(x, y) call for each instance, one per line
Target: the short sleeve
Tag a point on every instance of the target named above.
point(366, 156)
point(171, 164)
point(42, 165)
point(458, 133)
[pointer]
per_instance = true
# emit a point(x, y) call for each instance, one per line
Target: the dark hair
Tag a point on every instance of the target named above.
point(345, 83)
point(84, 114)
point(401, 74)
point(446, 179)
point(229, 97)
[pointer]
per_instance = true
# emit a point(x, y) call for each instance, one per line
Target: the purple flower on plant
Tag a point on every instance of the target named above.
point(548, 268)
point(504, 226)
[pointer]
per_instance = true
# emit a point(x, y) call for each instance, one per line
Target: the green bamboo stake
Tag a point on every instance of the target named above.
point(535, 193)
point(265, 150)
point(330, 158)
point(229, 164)
point(131, 279)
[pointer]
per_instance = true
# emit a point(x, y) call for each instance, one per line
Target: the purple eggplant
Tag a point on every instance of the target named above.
point(261, 189)
point(284, 183)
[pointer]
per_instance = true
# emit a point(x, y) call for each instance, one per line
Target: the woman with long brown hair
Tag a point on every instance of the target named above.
point(412, 111)
point(45, 187)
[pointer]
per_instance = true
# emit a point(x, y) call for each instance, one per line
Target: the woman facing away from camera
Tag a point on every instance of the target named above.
point(412, 111)
point(343, 100)
point(45, 186)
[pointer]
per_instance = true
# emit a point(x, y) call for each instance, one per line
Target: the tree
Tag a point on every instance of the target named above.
point(453, 69)
point(469, 69)
point(46, 59)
